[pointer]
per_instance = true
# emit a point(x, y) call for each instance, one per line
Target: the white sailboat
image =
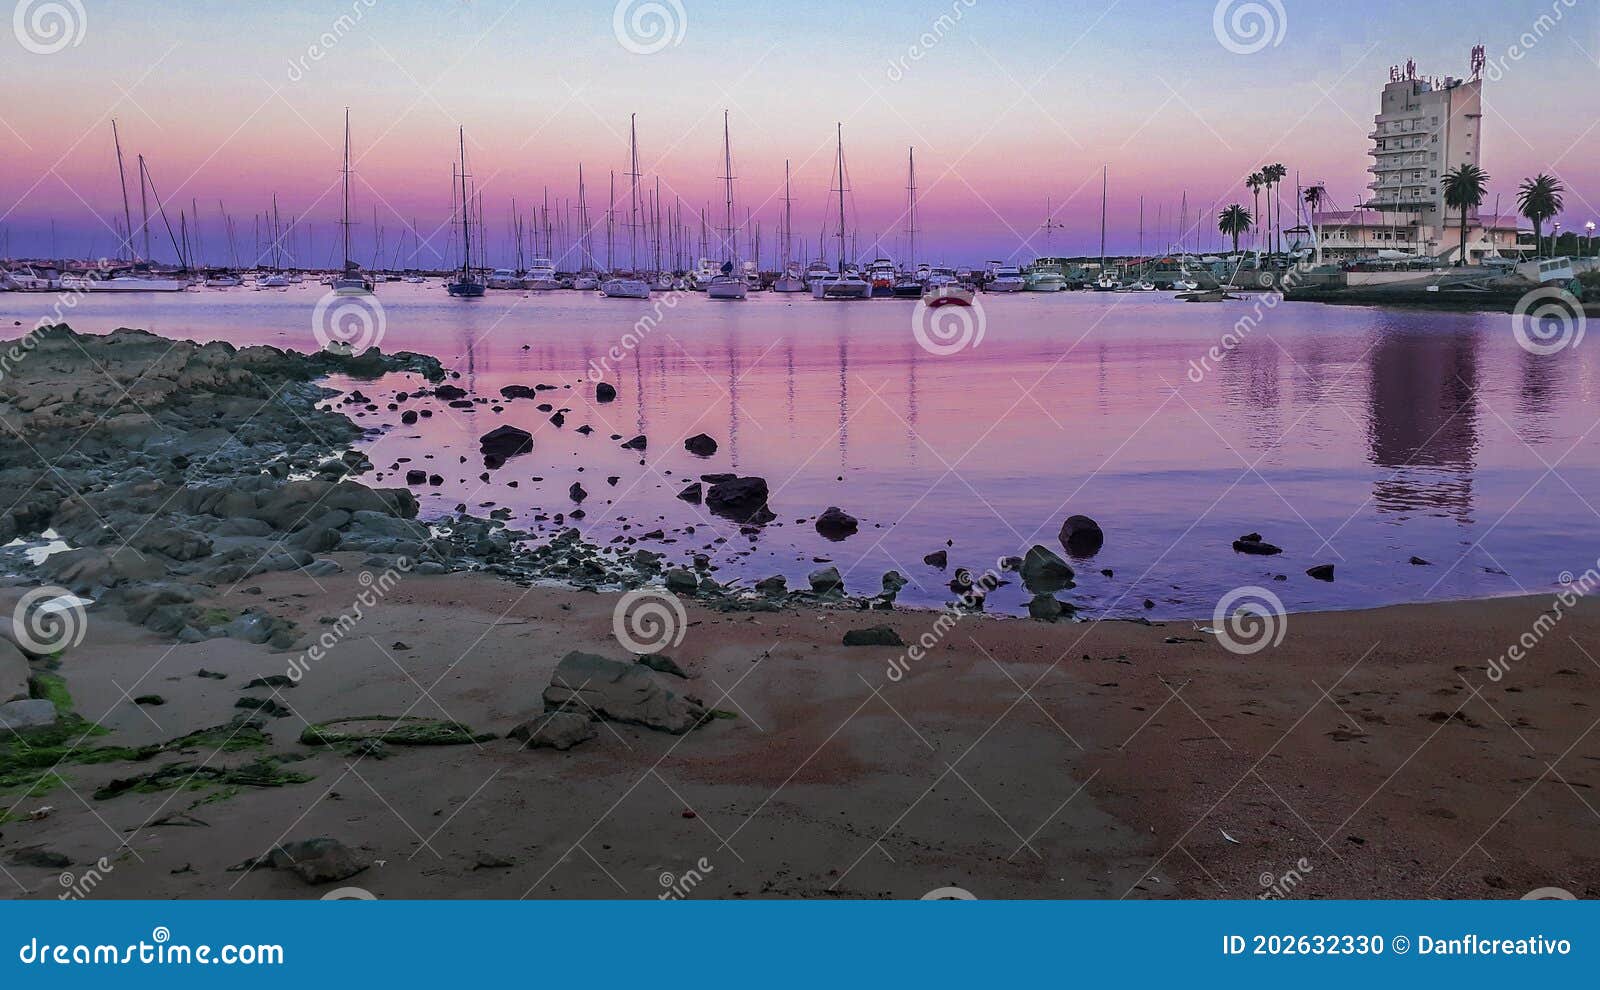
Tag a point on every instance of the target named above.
point(845, 284)
point(729, 283)
point(350, 281)
point(135, 281)
point(790, 280)
point(630, 286)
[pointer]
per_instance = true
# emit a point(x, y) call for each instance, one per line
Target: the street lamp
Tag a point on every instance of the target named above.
point(1555, 238)
point(1588, 230)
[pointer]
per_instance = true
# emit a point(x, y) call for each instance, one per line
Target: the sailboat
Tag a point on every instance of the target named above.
point(790, 279)
point(845, 284)
point(586, 280)
point(466, 285)
point(1106, 282)
point(908, 284)
point(728, 283)
point(135, 281)
point(350, 281)
point(630, 286)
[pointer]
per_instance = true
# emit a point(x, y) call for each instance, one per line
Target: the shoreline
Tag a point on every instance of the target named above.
point(1107, 758)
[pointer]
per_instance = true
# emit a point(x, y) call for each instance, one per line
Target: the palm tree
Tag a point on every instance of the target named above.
point(1254, 183)
point(1539, 199)
point(1315, 195)
point(1463, 190)
point(1233, 221)
point(1275, 174)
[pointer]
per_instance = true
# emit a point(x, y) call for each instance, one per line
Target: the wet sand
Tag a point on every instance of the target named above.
point(1369, 755)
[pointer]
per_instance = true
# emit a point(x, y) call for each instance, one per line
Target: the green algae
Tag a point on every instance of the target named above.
point(404, 730)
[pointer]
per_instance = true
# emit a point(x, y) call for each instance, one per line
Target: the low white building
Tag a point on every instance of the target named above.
point(1363, 234)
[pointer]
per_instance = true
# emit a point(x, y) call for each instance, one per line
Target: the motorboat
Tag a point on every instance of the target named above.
point(586, 282)
point(790, 281)
point(1044, 280)
point(504, 278)
point(944, 288)
point(1004, 278)
point(223, 280)
point(131, 283)
point(882, 274)
point(625, 288)
point(846, 285)
point(541, 276)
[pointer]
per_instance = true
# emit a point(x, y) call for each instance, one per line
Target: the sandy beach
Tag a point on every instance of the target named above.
point(1389, 753)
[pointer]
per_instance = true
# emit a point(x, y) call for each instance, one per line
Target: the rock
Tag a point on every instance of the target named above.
point(873, 636)
point(893, 581)
point(21, 716)
point(416, 477)
point(504, 442)
point(773, 587)
point(576, 492)
point(1045, 607)
point(318, 861)
point(681, 581)
point(518, 392)
point(409, 417)
point(1419, 562)
point(1251, 543)
point(1322, 572)
point(662, 665)
point(939, 559)
point(450, 393)
point(744, 500)
point(604, 392)
point(555, 730)
point(619, 692)
point(835, 524)
point(13, 673)
point(637, 443)
point(1082, 536)
point(700, 445)
point(826, 581)
point(693, 494)
point(276, 680)
point(154, 700)
point(1044, 572)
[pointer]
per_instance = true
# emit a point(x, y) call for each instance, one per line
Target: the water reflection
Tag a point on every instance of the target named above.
point(1423, 421)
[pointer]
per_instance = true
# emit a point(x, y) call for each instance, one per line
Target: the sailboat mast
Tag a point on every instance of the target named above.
point(729, 230)
point(466, 214)
point(144, 207)
point(346, 220)
point(1104, 172)
point(911, 210)
point(788, 217)
point(633, 174)
point(841, 197)
point(122, 177)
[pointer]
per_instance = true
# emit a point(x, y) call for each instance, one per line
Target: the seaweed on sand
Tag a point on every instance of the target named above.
point(403, 730)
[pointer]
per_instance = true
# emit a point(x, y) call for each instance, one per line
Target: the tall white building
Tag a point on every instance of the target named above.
point(1424, 128)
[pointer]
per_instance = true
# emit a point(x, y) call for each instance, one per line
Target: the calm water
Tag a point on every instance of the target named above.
point(1350, 436)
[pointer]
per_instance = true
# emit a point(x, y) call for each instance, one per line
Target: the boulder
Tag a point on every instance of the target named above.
point(619, 692)
point(577, 493)
point(450, 393)
point(939, 559)
point(700, 445)
point(826, 581)
point(504, 442)
point(1045, 607)
point(555, 730)
point(836, 524)
point(1044, 572)
point(681, 581)
point(518, 392)
point(637, 443)
point(409, 417)
point(693, 493)
point(318, 861)
point(604, 392)
point(744, 500)
point(1082, 536)
point(21, 716)
point(1322, 572)
point(773, 587)
point(13, 673)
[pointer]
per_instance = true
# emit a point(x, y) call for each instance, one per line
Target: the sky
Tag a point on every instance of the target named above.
point(1009, 106)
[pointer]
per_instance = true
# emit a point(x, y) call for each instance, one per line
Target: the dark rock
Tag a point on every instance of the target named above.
point(1419, 562)
point(1044, 572)
point(700, 445)
point(637, 443)
point(681, 582)
point(555, 730)
point(318, 861)
point(416, 477)
point(576, 492)
point(604, 392)
point(1322, 572)
point(743, 500)
point(939, 559)
point(38, 857)
point(826, 581)
point(836, 524)
point(1082, 536)
point(773, 587)
point(873, 636)
point(450, 393)
point(408, 417)
point(505, 441)
point(1251, 543)
point(692, 494)
point(518, 392)
point(619, 692)
point(662, 665)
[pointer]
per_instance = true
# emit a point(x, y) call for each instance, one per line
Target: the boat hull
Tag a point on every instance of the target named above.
point(466, 290)
point(626, 288)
